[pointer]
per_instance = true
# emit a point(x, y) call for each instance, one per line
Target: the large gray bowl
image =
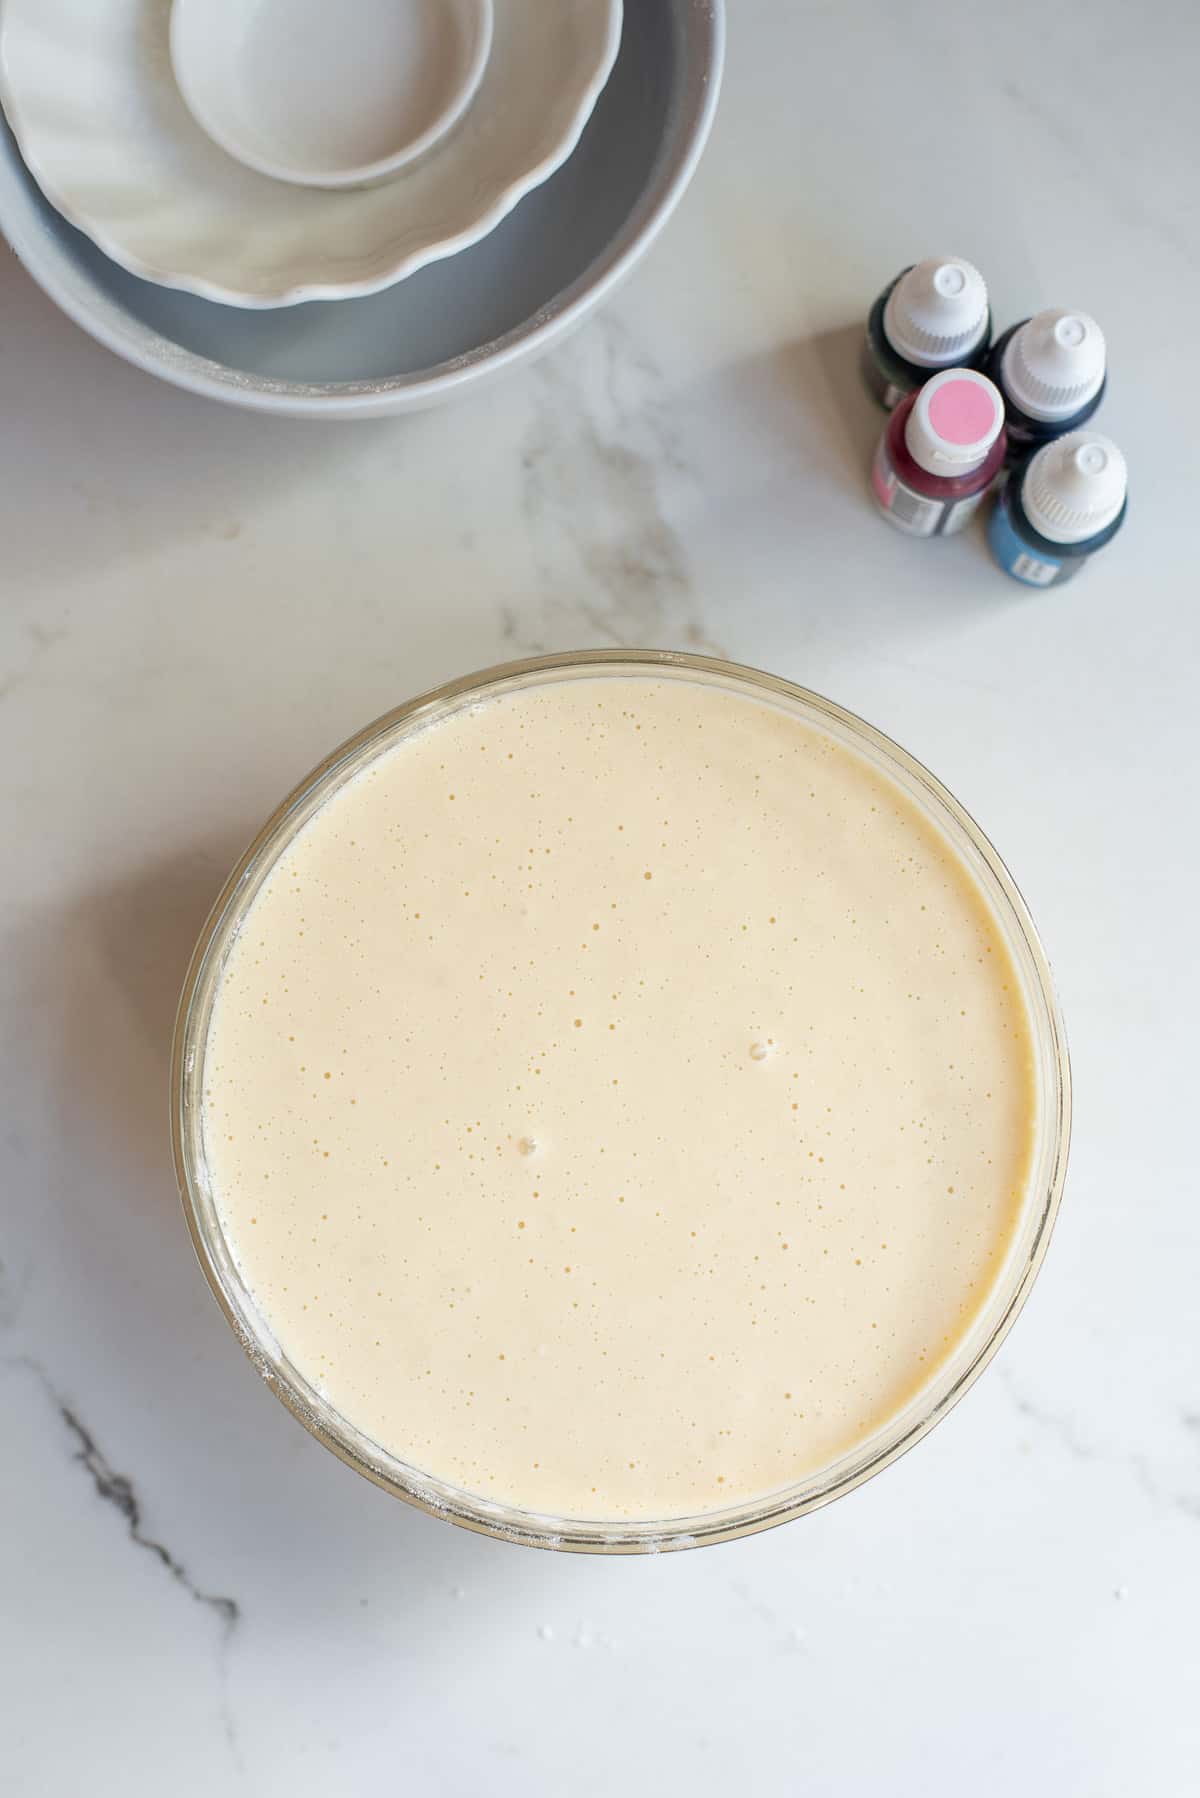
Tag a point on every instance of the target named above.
point(454, 323)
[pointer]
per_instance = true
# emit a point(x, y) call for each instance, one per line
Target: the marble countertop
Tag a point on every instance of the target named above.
point(196, 604)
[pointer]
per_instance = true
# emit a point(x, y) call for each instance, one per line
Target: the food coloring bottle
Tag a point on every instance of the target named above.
point(934, 315)
point(939, 453)
point(1067, 503)
point(1051, 371)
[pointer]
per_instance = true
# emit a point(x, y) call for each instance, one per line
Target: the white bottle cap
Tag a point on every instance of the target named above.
point(956, 418)
point(937, 313)
point(1074, 487)
point(1054, 364)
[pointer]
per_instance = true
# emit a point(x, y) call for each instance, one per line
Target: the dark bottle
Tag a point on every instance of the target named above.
point(933, 315)
point(1068, 502)
point(939, 453)
point(1051, 370)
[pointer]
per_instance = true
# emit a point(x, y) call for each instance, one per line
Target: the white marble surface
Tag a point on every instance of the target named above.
point(196, 1598)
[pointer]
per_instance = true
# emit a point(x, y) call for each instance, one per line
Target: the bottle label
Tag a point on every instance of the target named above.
point(907, 510)
point(1038, 574)
point(1015, 556)
point(914, 512)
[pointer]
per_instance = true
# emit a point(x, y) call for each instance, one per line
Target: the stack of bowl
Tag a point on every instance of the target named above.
point(350, 210)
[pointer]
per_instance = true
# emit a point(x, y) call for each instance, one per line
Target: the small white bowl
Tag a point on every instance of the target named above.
point(329, 95)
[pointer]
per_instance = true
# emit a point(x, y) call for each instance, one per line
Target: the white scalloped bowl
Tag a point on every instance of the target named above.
point(89, 93)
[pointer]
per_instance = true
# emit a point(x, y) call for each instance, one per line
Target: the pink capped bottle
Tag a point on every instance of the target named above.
point(939, 453)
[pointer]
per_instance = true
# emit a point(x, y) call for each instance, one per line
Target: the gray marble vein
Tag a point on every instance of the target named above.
point(1066, 1431)
point(33, 640)
point(602, 470)
point(118, 1490)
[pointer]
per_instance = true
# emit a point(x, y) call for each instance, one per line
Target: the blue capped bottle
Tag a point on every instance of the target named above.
point(1067, 503)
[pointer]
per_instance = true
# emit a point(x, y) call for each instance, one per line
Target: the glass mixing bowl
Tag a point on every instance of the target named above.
point(1051, 1079)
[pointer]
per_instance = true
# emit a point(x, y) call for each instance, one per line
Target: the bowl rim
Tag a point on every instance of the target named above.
point(104, 319)
point(1012, 1285)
